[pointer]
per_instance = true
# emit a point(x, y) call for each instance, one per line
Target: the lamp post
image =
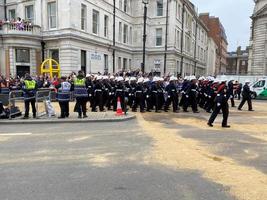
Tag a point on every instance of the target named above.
point(145, 2)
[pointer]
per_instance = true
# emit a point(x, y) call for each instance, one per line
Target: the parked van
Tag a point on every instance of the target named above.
point(259, 89)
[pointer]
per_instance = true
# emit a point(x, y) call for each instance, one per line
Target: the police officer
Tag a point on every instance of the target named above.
point(80, 91)
point(246, 96)
point(29, 88)
point(221, 103)
point(63, 97)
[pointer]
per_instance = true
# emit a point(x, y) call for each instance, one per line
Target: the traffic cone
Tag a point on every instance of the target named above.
point(119, 109)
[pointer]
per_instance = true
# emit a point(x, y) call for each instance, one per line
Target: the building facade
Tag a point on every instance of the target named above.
point(237, 62)
point(258, 40)
point(79, 35)
point(217, 33)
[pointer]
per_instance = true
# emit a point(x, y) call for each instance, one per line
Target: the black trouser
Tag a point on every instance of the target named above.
point(139, 100)
point(232, 100)
point(174, 100)
point(244, 101)
point(225, 111)
point(155, 101)
point(98, 101)
point(80, 106)
point(64, 108)
point(191, 100)
point(209, 104)
point(27, 107)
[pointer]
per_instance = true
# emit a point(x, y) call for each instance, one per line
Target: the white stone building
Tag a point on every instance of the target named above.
point(258, 40)
point(79, 34)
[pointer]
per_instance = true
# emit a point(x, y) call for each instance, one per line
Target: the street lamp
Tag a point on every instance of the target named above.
point(145, 2)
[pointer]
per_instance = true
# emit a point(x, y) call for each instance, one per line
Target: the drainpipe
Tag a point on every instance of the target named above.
point(43, 50)
point(195, 51)
point(182, 41)
point(166, 37)
point(114, 34)
point(5, 9)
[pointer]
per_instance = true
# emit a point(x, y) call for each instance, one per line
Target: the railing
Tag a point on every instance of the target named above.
point(42, 96)
point(13, 28)
point(14, 96)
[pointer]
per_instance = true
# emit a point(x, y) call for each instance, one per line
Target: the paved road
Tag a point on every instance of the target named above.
point(154, 157)
point(91, 161)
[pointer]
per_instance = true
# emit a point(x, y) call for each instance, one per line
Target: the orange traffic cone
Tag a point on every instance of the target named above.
point(119, 109)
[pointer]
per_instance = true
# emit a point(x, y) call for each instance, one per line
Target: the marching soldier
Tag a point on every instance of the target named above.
point(29, 88)
point(98, 95)
point(139, 96)
point(172, 95)
point(119, 92)
point(191, 95)
point(231, 92)
point(246, 96)
point(221, 103)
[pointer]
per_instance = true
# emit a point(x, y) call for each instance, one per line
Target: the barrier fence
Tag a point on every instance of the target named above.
point(41, 97)
point(14, 96)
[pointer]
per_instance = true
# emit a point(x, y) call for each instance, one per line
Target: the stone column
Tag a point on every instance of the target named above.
point(7, 63)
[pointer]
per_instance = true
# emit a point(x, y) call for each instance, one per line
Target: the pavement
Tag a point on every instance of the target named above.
point(153, 156)
point(43, 118)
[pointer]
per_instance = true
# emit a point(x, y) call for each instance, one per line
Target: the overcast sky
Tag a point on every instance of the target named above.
point(235, 17)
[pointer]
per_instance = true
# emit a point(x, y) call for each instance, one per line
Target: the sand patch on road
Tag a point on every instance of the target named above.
point(172, 150)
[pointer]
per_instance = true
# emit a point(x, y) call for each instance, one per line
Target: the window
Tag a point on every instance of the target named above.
point(159, 7)
point(158, 36)
point(29, 13)
point(178, 38)
point(179, 11)
point(120, 31)
point(22, 55)
point(83, 61)
point(12, 14)
point(125, 6)
point(95, 22)
point(124, 63)
point(105, 62)
point(125, 33)
point(106, 26)
point(52, 15)
point(131, 35)
point(54, 54)
point(120, 4)
point(119, 63)
point(260, 83)
point(83, 17)
point(130, 64)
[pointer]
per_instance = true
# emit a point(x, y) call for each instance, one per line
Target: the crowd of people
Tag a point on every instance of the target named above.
point(19, 24)
point(136, 91)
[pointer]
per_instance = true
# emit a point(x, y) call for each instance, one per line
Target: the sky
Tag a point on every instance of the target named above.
point(234, 16)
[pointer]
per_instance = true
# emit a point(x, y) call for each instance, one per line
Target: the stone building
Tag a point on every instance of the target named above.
point(217, 33)
point(258, 40)
point(237, 62)
point(79, 34)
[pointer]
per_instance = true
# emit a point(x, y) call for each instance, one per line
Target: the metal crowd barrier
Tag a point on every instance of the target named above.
point(16, 95)
point(42, 96)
